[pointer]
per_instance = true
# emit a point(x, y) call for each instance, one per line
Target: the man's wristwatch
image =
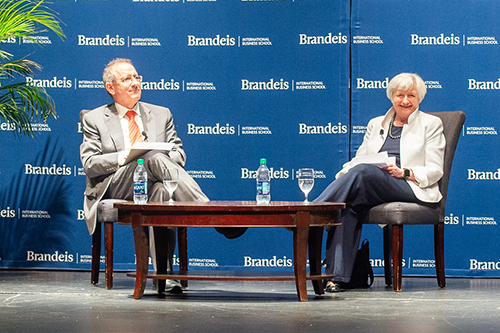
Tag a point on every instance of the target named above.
point(406, 173)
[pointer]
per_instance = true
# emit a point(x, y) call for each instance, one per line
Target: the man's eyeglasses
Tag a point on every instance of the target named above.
point(128, 79)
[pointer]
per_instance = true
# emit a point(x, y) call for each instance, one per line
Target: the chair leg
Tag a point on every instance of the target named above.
point(108, 253)
point(439, 253)
point(397, 256)
point(388, 255)
point(183, 252)
point(96, 254)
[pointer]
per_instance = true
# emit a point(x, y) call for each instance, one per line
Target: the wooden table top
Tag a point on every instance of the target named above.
point(213, 206)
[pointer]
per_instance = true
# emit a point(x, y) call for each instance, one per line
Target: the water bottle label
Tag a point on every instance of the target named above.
point(140, 188)
point(263, 188)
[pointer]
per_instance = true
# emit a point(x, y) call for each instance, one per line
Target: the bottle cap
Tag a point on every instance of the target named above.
point(262, 161)
point(140, 161)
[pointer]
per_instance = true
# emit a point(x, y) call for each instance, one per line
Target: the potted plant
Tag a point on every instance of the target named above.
point(21, 103)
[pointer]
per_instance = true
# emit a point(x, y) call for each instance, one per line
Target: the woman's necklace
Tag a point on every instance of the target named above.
point(390, 131)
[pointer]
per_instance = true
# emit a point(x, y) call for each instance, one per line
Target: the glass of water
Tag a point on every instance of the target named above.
point(306, 181)
point(171, 181)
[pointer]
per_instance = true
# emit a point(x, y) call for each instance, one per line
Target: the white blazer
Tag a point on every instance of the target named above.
point(421, 148)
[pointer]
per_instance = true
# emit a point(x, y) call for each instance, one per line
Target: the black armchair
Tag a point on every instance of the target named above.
point(396, 214)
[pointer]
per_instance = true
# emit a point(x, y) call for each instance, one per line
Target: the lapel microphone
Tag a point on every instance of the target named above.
point(144, 134)
point(382, 132)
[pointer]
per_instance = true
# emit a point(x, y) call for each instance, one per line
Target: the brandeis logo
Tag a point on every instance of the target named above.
point(101, 41)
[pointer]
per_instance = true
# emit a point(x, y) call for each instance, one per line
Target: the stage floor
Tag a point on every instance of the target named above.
point(65, 301)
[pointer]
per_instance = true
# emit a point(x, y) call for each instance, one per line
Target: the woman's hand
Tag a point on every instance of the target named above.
point(394, 171)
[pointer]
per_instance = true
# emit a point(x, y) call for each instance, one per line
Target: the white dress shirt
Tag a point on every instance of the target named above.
point(122, 155)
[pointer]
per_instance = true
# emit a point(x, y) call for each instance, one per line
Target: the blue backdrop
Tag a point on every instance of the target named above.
point(321, 68)
point(455, 50)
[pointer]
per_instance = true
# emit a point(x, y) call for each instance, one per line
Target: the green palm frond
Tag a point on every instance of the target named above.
point(22, 67)
point(21, 103)
point(24, 18)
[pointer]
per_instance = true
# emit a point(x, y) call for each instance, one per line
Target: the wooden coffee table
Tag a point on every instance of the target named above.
point(306, 220)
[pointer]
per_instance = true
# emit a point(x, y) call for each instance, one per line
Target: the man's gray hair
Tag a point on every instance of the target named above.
point(108, 75)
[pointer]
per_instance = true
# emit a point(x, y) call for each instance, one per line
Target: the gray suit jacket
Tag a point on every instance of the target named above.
point(103, 139)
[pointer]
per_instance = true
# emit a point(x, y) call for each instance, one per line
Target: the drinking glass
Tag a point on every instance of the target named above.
point(171, 181)
point(306, 181)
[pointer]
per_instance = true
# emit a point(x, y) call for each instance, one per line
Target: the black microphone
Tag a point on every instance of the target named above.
point(144, 134)
point(382, 131)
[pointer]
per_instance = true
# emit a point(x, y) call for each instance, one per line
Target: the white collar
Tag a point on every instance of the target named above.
point(123, 110)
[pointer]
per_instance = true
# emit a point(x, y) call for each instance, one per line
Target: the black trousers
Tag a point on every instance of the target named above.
point(363, 187)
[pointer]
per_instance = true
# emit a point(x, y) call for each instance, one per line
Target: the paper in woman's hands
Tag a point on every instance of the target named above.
point(380, 160)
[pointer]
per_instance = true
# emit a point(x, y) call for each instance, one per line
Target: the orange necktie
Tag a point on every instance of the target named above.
point(134, 132)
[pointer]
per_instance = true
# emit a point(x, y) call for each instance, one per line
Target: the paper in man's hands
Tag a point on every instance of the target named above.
point(140, 148)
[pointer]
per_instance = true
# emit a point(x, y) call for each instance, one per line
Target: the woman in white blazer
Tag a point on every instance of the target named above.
point(416, 141)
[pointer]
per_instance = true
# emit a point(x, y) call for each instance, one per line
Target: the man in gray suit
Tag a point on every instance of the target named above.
point(106, 145)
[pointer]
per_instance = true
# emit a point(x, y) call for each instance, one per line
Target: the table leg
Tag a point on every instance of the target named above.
point(300, 237)
point(315, 243)
point(141, 237)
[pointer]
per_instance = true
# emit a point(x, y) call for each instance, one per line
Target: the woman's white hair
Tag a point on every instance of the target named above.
point(406, 81)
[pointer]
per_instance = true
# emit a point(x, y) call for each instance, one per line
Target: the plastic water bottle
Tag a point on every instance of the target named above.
point(263, 183)
point(140, 183)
